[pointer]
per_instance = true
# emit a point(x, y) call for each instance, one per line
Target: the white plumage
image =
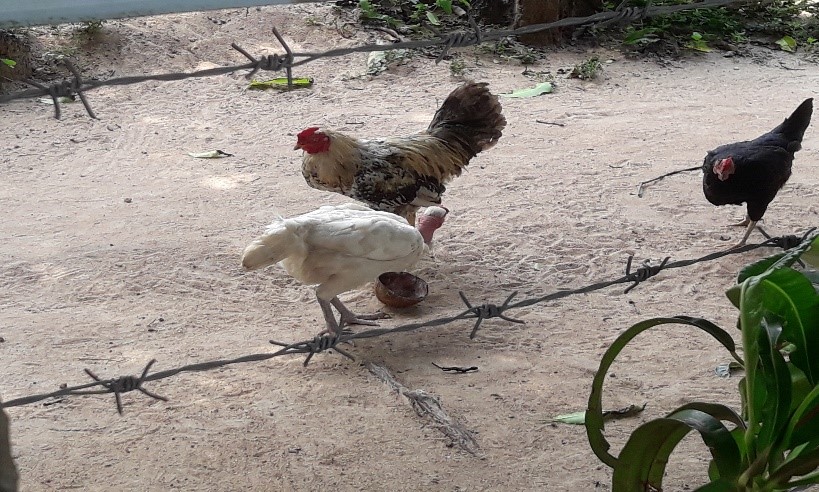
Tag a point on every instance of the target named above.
point(339, 248)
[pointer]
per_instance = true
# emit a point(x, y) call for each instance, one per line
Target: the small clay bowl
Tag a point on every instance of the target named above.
point(400, 290)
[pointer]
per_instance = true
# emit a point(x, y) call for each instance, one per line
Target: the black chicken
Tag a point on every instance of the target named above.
point(753, 171)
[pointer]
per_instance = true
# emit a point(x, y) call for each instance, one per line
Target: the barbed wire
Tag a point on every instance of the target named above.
point(323, 343)
point(77, 86)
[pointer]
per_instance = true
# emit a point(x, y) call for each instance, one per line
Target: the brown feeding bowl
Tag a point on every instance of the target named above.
point(400, 290)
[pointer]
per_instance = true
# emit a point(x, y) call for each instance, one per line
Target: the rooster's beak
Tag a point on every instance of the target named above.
point(297, 147)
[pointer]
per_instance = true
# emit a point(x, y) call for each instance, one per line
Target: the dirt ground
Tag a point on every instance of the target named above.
point(120, 248)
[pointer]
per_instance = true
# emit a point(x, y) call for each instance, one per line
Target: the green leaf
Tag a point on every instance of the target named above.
point(696, 36)
point(789, 295)
point(576, 418)
point(579, 418)
point(776, 405)
point(644, 457)
point(8, 62)
point(280, 83)
point(787, 43)
point(445, 5)
point(779, 260)
point(641, 36)
point(594, 413)
point(803, 465)
point(804, 422)
point(540, 89)
point(811, 256)
point(211, 154)
point(433, 19)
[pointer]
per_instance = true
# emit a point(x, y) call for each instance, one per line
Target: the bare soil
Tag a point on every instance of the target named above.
point(119, 248)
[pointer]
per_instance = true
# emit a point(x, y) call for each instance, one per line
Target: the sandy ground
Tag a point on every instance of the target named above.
point(92, 280)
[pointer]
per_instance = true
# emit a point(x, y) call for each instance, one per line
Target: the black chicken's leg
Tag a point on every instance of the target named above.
point(743, 223)
point(751, 227)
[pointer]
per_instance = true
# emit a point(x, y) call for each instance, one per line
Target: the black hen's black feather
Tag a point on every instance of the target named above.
point(762, 166)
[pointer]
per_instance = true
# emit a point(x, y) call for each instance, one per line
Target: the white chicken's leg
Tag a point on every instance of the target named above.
point(329, 318)
point(349, 318)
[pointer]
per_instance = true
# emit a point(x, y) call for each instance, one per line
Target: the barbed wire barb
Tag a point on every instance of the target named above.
point(124, 384)
point(315, 346)
point(486, 311)
point(643, 273)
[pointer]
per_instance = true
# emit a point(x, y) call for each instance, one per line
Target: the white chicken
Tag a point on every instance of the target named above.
point(340, 248)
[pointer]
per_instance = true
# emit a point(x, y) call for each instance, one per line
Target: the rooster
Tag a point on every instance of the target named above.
point(753, 171)
point(340, 248)
point(402, 174)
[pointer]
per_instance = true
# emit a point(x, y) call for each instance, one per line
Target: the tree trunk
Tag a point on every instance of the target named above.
point(527, 12)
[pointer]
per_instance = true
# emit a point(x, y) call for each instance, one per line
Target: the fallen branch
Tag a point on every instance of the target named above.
point(427, 405)
point(642, 186)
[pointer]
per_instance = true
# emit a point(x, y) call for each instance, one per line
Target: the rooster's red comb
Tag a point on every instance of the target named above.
point(307, 132)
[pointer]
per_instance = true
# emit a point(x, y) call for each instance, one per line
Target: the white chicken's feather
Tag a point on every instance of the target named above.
point(337, 247)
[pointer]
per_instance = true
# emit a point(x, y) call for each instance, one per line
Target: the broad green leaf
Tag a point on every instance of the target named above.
point(800, 386)
point(211, 154)
point(787, 43)
point(542, 88)
point(716, 410)
point(8, 62)
point(805, 464)
point(433, 19)
point(758, 267)
point(774, 412)
point(594, 413)
point(778, 260)
point(790, 295)
point(804, 422)
point(645, 455)
point(280, 83)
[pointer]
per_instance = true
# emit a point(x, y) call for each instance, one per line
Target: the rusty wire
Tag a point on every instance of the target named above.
point(77, 86)
point(324, 343)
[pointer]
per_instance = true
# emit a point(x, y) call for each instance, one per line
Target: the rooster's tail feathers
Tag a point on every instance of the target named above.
point(794, 126)
point(470, 115)
point(275, 245)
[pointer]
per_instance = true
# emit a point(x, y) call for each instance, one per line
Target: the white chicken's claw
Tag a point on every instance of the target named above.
point(350, 318)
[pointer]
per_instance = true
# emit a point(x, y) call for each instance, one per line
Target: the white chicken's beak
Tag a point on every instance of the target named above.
point(297, 147)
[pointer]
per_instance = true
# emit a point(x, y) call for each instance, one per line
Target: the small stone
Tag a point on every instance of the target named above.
point(128, 200)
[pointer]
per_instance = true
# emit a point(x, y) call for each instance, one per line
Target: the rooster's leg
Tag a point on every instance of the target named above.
point(743, 223)
point(349, 318)
point(751, 227)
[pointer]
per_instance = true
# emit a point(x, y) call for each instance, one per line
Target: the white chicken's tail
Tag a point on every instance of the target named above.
point(275, 245)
